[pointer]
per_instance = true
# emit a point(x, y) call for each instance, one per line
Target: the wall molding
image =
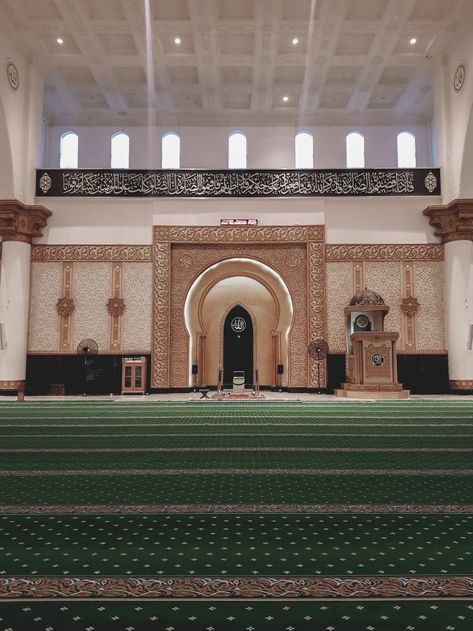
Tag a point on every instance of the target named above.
point(384, 252)
point(92, 253)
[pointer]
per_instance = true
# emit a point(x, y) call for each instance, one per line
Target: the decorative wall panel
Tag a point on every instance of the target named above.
point(385, 279)
point(340, 290)
point(44, 319)
point(428, 283)
point(412, 288)
point(182, 253)
point(121, 273)
point(136, 320)
point(92, 289)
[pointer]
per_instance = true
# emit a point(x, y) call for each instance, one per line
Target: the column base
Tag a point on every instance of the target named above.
point(381, 391)
point(17, 386)
point(461, 384)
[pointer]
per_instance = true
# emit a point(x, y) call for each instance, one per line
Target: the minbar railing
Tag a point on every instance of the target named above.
point(236, 183)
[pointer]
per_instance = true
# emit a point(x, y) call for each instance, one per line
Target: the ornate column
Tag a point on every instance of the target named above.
point(19, 223)
point(454, 224)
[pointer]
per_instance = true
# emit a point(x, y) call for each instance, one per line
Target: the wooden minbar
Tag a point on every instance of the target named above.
point(371, 360)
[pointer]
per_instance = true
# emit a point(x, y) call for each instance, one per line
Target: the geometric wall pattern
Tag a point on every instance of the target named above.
point(410, 280)
point(89, 286)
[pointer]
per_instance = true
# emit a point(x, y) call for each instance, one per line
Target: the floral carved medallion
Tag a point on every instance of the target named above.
point(116, 306)
point(65, 306)
point(410, 305)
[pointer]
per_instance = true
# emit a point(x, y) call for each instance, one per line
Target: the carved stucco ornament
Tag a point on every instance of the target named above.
point(410, 305)
point(22, 222)
point(65, 306)
point(453, 222)
point(116, 306)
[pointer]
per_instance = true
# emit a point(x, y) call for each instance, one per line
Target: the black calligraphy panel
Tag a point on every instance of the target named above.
point(237, 183)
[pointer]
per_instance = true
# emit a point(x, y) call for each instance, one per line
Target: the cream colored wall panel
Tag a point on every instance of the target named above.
point(385, 279)
point(91, 291)
point(136, 319)
point(428, 288)
point(43, 335)
point(339, 293)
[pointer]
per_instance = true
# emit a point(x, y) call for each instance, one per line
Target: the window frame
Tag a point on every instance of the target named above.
point(62, 139)
point(297, 156)
point(166, 162)
point(349, 161)
point(232, 159)
point(115, 135)
point(405, 134)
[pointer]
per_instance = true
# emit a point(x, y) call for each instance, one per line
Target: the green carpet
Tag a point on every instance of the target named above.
point(354, 545)
point(337, 515)
point(231, 616)
point(188, 488)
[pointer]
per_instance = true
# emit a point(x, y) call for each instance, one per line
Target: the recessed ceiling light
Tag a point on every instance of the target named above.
point(59, 40)
point(413, 41)
point(295, 41)
point(177, 40)
point(285, 98)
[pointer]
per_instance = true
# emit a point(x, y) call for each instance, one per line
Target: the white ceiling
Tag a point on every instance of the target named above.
point(236, 61)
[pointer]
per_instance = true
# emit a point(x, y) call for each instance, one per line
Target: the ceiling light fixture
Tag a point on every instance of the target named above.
point(59, 40)
point(177, 40)
point(285, 98)
point(295, 41)
point(413, 41)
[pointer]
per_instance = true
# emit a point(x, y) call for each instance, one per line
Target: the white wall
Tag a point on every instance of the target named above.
point(268, 147)
point(130, 221)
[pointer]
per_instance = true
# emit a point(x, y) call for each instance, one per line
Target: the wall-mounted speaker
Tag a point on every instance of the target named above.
point(280, 369)
point(195, 369)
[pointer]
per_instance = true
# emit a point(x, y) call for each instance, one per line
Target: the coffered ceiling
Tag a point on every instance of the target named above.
point(237, 61)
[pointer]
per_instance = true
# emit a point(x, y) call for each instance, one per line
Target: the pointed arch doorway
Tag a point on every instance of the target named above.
point(238, 345)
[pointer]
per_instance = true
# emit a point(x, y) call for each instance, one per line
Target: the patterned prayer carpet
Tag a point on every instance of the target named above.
point(241, 515)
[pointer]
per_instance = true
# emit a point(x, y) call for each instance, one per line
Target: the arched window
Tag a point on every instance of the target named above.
point(237, 150)
point(69, 150)
point(355, 150)
point(304, 146)
point(120, 151)
point(406, 150)
point(171, 151)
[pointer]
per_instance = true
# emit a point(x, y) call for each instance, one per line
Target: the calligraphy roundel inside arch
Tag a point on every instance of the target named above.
point(208, 245)
point(238, 324)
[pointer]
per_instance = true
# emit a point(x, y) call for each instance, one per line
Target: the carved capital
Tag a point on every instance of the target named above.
point(453, 222)
point(21, 222)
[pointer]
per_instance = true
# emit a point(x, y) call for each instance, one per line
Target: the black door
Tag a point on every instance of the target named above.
point(238, 345)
